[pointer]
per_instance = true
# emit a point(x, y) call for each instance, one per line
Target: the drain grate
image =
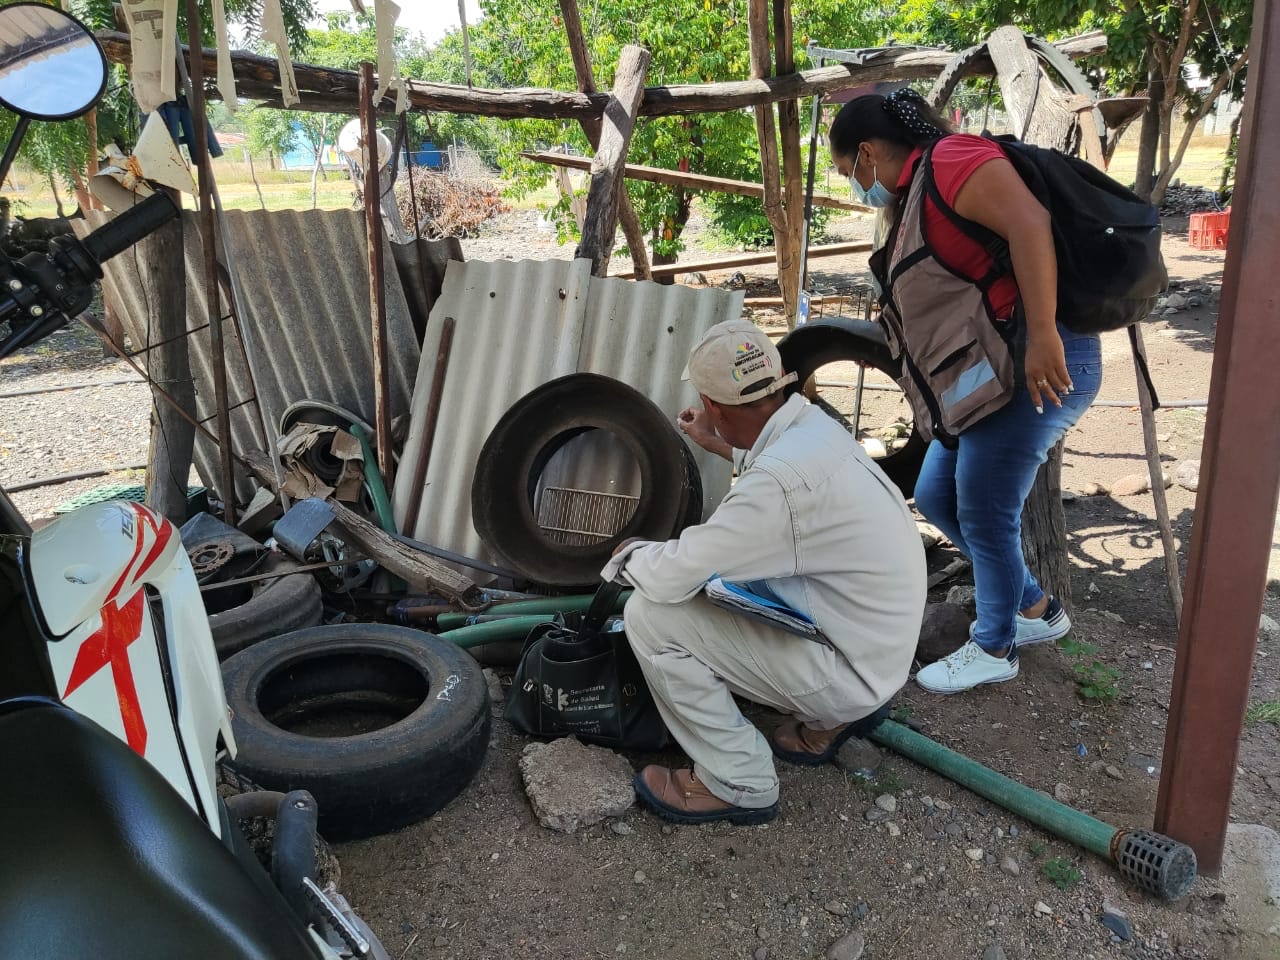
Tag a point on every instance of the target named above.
point(579, 518)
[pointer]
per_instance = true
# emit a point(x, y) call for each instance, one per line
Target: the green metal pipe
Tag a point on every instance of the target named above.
point(493, 631)
point(574, 604)
point(373, 480)
point(1079, 828)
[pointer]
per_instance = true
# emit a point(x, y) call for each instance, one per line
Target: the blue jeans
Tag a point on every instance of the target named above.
point(974, 494)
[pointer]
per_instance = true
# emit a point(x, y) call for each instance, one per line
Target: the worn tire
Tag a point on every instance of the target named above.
point(528, 436)
point(289, 603)
point(805, 354)
point(364, 783)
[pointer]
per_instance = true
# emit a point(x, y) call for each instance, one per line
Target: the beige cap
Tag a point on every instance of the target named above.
point(736, 363)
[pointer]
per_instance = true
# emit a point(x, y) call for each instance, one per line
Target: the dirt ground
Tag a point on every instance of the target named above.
point(483, 880)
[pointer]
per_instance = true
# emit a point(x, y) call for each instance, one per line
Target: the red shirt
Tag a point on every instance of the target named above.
point(954, 160)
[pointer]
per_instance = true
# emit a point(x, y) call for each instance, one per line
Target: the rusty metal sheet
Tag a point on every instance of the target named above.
point(306, 297)
point(521, 324)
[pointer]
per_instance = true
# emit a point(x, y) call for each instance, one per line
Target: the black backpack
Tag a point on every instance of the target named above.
point(1107, 240)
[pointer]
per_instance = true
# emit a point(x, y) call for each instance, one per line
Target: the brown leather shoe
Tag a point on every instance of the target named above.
point(679, 796)
point(799, 743)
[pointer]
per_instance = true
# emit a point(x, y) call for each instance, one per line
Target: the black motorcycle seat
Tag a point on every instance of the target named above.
point(100, 857)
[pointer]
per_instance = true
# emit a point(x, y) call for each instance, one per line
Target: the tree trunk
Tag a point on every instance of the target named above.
point(1044, 530)
point(1219, 85)
point(792, 169)
point(1149, 136)
point(53, 185)
point(315, 171)
point(91, 127)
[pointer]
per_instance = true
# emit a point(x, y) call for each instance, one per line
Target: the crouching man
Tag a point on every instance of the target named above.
point(814, 522)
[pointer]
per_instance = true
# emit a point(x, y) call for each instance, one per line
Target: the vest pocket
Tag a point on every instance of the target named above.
point(953, 358)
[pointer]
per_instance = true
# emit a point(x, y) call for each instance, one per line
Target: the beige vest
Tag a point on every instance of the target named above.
point(957, 366)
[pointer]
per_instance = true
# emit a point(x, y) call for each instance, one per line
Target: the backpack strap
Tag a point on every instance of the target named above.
point(1140, 360)
point(994, 244)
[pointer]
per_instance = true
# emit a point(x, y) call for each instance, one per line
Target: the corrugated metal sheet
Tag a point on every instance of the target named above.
point(520, 324)
point(304, 276)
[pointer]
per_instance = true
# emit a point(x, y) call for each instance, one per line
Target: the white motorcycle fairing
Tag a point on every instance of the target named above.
point(105, 578)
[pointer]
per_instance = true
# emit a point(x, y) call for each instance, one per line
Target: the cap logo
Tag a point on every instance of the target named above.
point(748, 359)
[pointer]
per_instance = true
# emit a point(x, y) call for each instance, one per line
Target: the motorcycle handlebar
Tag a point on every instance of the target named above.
point(130, 227)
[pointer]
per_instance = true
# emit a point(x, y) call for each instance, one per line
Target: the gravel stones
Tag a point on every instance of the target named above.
point(1187, 475)
point(572, 785)
point(887, 802)
point(1010, 866)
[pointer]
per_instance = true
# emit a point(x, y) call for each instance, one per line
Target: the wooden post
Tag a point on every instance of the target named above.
point(161, 268)
point(1239, 477)
point(631, 228)
point(792, 172)
point(377, 294)
point(208, 240)
point(611, 156)
point(767, 134)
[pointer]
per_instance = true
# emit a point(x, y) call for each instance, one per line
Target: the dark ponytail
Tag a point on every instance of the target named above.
point(903, 118)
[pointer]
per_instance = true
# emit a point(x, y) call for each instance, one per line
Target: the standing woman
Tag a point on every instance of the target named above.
point(991, 373)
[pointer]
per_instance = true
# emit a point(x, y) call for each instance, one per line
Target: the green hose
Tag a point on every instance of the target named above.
point(574, 604)
point(1072, 825)
point(373, 480)
point(494, 631)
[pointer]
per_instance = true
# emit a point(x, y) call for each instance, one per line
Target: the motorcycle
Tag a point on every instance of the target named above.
point(114, 840)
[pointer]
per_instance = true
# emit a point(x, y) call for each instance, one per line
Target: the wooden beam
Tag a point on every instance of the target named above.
point(770, 165)
point(327, 90)
point(619, 120)
point(749, 260)
point(691, 181)
point(631, 228)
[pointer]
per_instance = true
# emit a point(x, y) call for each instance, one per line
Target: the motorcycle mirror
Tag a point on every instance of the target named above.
point(51, 67)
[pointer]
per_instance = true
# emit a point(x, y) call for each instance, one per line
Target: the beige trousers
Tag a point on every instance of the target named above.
point(697, 656)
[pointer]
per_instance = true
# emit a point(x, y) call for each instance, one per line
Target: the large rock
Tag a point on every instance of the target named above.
point(965, 597)
point(945, 628)
point(1188, 475)
point(1268, 629)
point(848, 947)
point(1132, 485)
point(572, 785)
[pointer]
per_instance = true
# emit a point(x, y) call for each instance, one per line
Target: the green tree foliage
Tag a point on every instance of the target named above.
point(692, 41)
point(1149, 42)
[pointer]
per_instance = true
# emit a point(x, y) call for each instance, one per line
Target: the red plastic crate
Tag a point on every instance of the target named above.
point(1209, 230)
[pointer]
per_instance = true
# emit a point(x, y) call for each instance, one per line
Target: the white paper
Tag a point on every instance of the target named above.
point(273, 32)
point(153, 26)
point(226, 76)
point(386, 13)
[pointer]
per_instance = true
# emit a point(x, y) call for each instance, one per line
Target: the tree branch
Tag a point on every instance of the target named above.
point(1219, 85)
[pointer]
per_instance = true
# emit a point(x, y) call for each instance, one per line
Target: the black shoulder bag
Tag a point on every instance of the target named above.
point(578, 678)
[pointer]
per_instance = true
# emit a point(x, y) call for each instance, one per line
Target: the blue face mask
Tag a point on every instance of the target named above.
point(878, 196)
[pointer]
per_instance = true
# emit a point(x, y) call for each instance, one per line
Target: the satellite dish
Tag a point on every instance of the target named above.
point(351, 143)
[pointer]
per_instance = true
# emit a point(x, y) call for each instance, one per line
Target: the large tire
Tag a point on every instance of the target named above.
point(815, 345)
point(291, 602)
point(284, 691)
point(528, 436)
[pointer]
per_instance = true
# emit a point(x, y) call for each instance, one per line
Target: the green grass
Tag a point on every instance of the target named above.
point(1062, 873)
point(1265, 711)
point(1036, 848)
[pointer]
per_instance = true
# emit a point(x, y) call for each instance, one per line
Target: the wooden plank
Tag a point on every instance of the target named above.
point(790, 260)
point(619, 120)
point(329, 90)
point(692, 181)
point(749, 260)
point(159, 259)
point(631, 228)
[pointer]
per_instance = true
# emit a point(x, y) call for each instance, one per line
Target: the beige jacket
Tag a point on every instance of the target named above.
point(813, 516)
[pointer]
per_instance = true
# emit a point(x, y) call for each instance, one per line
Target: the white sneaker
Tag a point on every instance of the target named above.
point(968, 667)
point(1053, 625)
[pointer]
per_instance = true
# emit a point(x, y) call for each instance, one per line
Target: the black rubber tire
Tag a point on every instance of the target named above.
point(974, 61)
point(372, 782)
point(530, 433)
point(291, 602)
point(805, 355)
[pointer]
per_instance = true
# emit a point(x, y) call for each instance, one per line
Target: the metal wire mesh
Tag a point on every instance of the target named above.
point(577, 518)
